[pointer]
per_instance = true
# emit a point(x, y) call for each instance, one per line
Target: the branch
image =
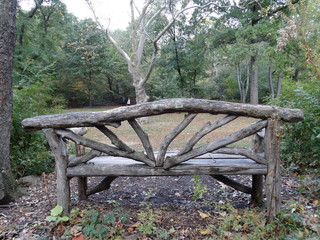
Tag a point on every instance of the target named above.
point(171, 136)
point(111, 39)
point(112, 151)
point(215, 145)
point(143, 137)
point(207, 128)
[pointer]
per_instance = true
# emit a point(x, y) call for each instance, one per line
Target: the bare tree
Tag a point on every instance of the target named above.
point(7, 43)
point(140, 25)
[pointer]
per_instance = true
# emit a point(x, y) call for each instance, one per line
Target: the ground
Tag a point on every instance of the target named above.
point(171, 200)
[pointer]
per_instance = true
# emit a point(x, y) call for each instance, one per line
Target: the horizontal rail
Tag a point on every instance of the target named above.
point(85, 119)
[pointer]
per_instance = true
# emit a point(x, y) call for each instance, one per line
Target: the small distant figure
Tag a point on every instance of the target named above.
point(128, 102)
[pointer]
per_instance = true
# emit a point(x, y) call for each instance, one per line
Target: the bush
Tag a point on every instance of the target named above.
point(29, 152)
point(300, 145)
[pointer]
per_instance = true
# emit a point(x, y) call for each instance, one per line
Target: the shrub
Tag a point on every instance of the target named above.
point(300, 145)
point(29, 152)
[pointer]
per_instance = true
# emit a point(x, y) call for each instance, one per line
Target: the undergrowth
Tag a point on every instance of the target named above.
point(298, 219)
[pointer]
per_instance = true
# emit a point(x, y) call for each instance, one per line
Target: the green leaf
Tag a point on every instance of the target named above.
point(64, 219)
point(56, 211)
point(51, 218)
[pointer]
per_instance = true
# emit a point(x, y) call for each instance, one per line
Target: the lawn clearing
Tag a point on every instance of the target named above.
point(159, 126)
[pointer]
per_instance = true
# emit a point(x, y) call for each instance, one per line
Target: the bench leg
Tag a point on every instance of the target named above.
point(59, 149)
point(273, 179)
point(82, 188)
point(257, 190)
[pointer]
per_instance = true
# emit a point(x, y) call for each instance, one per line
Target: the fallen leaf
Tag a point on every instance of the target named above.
point(203, 215)
point(135, 225)
point(79, 236)
point(204, 231)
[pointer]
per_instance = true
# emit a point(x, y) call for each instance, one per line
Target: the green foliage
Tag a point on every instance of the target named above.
point(309, 184)
point(300, 144)
point(110, 225)
point(29, 152)
point(198, 188)
point(56, 215)
point(148, 219)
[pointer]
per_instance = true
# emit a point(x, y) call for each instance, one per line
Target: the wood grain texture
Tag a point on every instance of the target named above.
point(82, 119)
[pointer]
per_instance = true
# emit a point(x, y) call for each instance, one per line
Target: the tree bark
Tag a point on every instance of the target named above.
point(279, 85)
point(270, 81)
point(7, 43)
point(254, 94)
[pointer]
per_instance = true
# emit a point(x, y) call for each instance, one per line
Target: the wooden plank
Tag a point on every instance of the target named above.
point(182, 169)
point(82, 119)
point(110, 160)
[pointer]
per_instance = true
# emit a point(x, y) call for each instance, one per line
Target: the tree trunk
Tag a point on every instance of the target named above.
point(279, 85)
point(141, 95)
point(271, 81)
point(254, 95)
point(7, 41)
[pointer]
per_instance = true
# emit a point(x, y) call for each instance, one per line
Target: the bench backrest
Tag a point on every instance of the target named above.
point(267, 118)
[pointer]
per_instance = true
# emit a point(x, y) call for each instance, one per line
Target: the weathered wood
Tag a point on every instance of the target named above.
point(257, 190)
point(112, 151)
point(232, 183)
point(245, 152)
point(79, 130)
point(181, 169)
point(82, 188)
point(224, 141)
point(143, 138)
point(114, 139)
point(82, 119)
point(80, 151)
point(257, 180)
point(207, 128)
point(103, 185)
point(60, 152)
point(84, 158)
point(273, 179)
point(171, 136)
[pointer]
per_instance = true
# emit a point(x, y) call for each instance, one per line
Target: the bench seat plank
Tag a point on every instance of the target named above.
point(216, 164)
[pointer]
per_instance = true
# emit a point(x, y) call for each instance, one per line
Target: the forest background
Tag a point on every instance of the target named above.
point(247, 51)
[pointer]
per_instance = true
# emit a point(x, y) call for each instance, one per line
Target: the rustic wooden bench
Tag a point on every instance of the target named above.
point(214, 158)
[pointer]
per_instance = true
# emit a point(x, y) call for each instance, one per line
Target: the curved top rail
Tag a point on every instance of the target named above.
point(85, 119)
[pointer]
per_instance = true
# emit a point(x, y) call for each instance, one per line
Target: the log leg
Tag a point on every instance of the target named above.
point(273, 181)
point(82, 181)
point(82, 188)
point(257, 190)
point(59, 149)
point(257, 180)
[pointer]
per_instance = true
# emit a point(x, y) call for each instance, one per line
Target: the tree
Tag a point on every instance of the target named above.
point(140, 35)
point(7, 43)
